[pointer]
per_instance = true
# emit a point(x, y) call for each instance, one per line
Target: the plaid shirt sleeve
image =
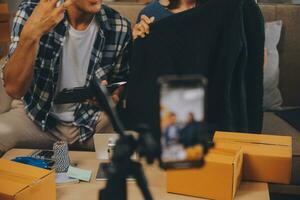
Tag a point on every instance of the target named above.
point(120, 70)
point(18, 23)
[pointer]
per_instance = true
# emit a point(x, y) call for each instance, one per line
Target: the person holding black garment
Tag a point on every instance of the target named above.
point(221, 40)
point(157, 10)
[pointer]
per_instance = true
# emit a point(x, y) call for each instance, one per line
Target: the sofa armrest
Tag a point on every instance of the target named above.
point(274, 125)
point(5, 100)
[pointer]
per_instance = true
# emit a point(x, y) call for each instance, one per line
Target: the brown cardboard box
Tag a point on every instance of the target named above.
point(267, 158)
point(24, 182)
point(218, 179)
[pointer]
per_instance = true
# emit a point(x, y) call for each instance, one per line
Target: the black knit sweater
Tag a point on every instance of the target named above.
point(222, 40)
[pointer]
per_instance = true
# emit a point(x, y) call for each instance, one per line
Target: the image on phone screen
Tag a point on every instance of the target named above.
point(182, 107)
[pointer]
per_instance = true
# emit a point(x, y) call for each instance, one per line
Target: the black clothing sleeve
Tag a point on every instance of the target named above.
point(255, 32)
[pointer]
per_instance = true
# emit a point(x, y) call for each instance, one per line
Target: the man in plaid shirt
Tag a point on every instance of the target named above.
point(57, 45)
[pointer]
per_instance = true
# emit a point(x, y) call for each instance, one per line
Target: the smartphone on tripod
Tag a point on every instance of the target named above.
point(182, 119)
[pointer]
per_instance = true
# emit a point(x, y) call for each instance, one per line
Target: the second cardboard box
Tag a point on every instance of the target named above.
point(267, 158)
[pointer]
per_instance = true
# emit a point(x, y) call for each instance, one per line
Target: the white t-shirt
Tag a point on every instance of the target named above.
point(77, 50)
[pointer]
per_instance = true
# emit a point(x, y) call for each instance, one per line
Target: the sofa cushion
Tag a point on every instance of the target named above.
point(5, 100)
point(274, 125)
point(272, 95)
point(289, 49)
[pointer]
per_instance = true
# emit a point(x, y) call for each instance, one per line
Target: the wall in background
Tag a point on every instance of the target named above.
point(13, 4)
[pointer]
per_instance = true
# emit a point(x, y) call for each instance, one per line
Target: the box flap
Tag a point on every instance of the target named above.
point(218, 154)
point(257, 144)
point(13, 183)
point(227, 147)
point(15, 177)
point(253, 138)
point(268, 150)
point(237, 172)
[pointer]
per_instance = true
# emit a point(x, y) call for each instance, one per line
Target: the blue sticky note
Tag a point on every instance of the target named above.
point(81, 174)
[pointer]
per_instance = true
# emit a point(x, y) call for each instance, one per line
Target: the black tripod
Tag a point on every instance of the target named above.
point(122, 166)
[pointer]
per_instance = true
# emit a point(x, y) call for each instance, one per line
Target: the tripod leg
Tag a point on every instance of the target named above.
point(116, 188)
point(138, 173)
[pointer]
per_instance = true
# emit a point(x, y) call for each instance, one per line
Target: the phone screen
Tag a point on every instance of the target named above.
point(182, 113)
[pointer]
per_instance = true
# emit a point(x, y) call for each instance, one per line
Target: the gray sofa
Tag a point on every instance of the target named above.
point(289, 50)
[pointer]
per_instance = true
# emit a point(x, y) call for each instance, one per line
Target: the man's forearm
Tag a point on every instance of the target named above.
point(18, 71)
